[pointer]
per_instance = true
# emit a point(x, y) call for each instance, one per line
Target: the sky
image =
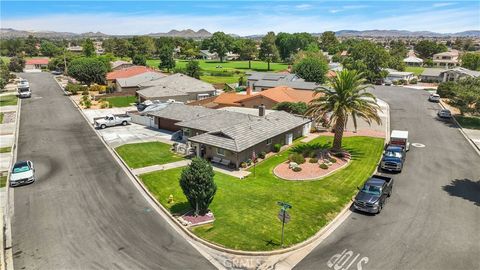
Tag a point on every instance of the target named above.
point(239, 17)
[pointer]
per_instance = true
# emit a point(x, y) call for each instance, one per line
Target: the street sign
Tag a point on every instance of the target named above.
point(281, 216)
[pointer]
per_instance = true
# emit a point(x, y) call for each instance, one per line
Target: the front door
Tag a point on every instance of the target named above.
point(288, 138)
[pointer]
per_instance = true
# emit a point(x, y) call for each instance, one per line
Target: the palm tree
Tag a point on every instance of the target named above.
point(346, 96)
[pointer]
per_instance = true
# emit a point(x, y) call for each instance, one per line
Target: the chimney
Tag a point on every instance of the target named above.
point(261, 110)
point(249, 91)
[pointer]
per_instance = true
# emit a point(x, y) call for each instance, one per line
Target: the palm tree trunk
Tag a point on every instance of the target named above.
point(337, 140)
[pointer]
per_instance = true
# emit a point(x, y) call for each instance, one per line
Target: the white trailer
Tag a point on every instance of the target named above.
point(400, 138)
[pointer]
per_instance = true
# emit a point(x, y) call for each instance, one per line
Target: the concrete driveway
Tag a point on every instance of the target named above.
point(134, 133)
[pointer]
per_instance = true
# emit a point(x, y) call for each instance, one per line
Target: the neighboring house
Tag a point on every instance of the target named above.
point(231, 137)
point(119, 64)
point(36, 64)
point(207, 55)
point(445, 75)
point(76, 49)
point(178, 87)
point(260, 81)
point(446, 59)
point(124, 73)
point(132, 83)
point(394, 75)
point(413, 61)
point(271, 97)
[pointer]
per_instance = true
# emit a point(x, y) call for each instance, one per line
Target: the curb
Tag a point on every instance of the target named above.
point(475, 146)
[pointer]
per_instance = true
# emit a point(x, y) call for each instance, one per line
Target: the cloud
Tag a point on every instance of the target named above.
point(304, 7)
point(442, 4)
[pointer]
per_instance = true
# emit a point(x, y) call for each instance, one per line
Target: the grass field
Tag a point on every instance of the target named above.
point(416, 70)
point(138, 155)
point(246, 210)
point(5, 149)
point(122, 101)
point(1, 117)
point(8, 100)
point(468, 122)
point(3, 181)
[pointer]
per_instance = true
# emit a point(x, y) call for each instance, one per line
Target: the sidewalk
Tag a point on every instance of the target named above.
point(474, 136)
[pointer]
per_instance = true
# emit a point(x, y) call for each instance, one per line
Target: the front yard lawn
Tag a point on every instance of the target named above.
point(469, 122)
point(122, 101)
point(246, 210)
point(416, 70)
point(8, 100)
point(138, 155)
point(5, 149)
point(3, 181)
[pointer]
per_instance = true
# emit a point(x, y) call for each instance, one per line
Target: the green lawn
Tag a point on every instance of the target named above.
point(5, 149)
point(219, 79)
point(3, 181)
point(416, 70)
point(138, 155)
point(8, 100)
point(122, 101)
point(468, 122)
point(1, 117)
point(246, 210)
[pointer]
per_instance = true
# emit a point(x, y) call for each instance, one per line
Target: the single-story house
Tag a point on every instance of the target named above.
point(124, 73)
point(444, 75)
point(230, 137)
point(76, 49)
point(207, 55)
point(132, 83)
point(271, 97)
point(36, 64)
point(260, 81)
point(178, 87)
point(394, 75)
point(119, 64)
point(413, 61)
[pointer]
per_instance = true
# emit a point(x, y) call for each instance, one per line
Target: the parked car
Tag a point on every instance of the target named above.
point(373, 195)
point(112, 120)
point(393, 159)
point(400, 138)
point(22, 173)
point(444, 113)
point(434, 98)
point(57, 72)
point(23, 89)
point(388, 82)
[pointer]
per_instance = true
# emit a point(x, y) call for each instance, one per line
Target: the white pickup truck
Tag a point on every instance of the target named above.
point(400, 138)
point(111, 120)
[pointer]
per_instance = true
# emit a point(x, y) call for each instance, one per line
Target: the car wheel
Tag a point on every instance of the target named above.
point(124, 123)
point(379, 209)
point(103, 126)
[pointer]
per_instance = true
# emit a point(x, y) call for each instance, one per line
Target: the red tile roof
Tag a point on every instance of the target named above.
point(127, 72)
point(285, 94)
point(37, 61)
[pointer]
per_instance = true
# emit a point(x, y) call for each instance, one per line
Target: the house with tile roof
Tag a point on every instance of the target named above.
point(231, 137)
point(260, 81)
point(271, 97)
point(447, 59)
point(127, 79)
point(36, 64)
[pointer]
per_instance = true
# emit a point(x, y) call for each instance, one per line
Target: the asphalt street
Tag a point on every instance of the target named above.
point(83, 212)
point(432, 220)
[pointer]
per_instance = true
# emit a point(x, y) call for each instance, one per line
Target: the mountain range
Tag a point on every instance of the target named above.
point(202, 33)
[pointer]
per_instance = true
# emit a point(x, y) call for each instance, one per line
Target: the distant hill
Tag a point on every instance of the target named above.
point(404, 33)
point(188, 33)
point(13, 33)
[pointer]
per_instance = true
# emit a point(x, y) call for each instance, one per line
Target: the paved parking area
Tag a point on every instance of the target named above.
point(134, 133)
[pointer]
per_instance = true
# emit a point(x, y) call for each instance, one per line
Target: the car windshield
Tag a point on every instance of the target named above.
point(374, 190)
point(393, 154)
point(23, 89)
point(21, 167)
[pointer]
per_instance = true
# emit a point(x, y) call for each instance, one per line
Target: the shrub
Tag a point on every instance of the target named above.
point(243, 165)
point(249, 162)
point(277, 147)
point(395, 82)
point(297, 169)
point(262, 155)
point(413, 81)
point(95, 88)
point(339, 154)
point(110, 105)
point(103, 104)
point(85, 92)
point(323, 166)
point(297, 158)
point(313, 160)
point(87, 104)
point(332, 160)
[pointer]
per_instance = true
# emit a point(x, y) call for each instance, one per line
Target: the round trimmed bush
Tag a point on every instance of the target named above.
point(332, 160)
point(313, 160)
point(297, 169)
point(297, 158)
point(323, 166)
point(243, 165)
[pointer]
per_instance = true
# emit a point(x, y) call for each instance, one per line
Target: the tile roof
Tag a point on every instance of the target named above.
point(37, 61)
point(182, 112)
point(432, 72)
point(139, 78)
point(230, 99)
point(216, 121)
point(284, 94)
point(174, 85)
point(471, 73)
point(119, 63)
point(127, 72)
point(293, 84)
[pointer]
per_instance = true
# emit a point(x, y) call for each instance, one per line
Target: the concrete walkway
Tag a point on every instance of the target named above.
point(162, 167)
point(10, 108)
point(474, 136)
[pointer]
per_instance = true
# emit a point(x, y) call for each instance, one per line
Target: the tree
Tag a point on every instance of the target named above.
point(198, 185)
point(139, 59)
point(329, 42)
point(345, 97)
point(17, 64)
point(11, 47)
point(142, 45)
point(87, 70)
point(30, 46)
point(471, 61)
point(246, 49)
point(166, 57)
point(311, 69)
point(88, 48)
point(426, 48)
point(289, 44)
point(48, 48)
point(193, 69)
point(291, 107)
point(61, 61)
point(463, 94)
point(268, 49)
point(221, 44)
point(398, 49)
point(368, 58)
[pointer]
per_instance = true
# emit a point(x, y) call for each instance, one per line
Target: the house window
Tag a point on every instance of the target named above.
point(269, 141)
point(186, 132)
point(221, 152)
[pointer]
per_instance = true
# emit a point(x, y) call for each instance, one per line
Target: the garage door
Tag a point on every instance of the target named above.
point(168, 124)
